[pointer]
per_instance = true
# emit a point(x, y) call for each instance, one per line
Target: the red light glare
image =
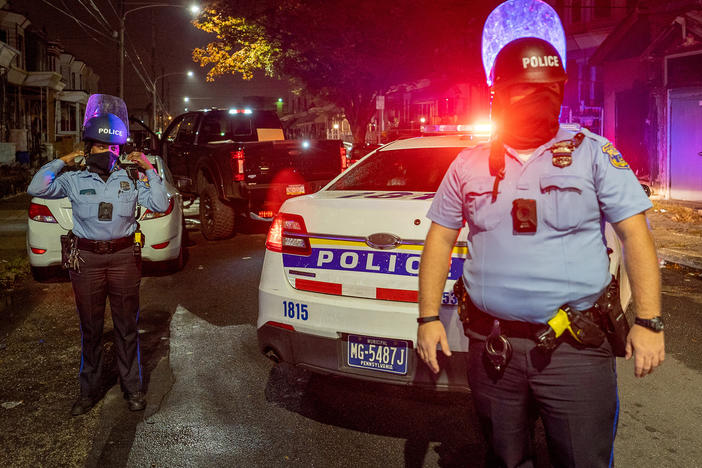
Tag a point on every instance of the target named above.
point(288, 234)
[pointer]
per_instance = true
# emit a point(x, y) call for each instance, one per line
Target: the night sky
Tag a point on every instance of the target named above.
point(175, 39)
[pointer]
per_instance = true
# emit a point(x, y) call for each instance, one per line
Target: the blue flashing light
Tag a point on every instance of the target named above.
point(515, 19)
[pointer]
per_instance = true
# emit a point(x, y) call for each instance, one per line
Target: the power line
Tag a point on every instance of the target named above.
point(77, 20)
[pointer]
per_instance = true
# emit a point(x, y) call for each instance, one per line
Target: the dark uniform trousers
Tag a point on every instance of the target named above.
point(574, 391)
point(118, 276)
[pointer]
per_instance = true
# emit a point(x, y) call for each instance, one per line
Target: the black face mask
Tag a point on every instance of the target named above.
point(101, 163)
point(531, 121)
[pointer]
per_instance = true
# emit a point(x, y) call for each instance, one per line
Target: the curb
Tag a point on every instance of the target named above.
point(680, 257)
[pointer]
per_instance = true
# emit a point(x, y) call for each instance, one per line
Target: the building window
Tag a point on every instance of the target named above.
point(603, 8)
point(68, 121)
point(3, 36)
point(73, 81)
point(577, 11)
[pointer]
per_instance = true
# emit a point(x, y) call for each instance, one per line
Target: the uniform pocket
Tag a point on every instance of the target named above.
point(481, 211)
point(563, 203)
point(126, 209)
point(85, 210)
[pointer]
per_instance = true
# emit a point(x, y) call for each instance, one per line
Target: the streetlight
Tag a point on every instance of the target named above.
point(193, 9)
point(153, 90)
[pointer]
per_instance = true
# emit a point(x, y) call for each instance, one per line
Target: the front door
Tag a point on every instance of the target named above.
point(686, 145)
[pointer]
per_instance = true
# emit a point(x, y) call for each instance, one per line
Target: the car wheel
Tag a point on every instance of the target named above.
point(216, 218)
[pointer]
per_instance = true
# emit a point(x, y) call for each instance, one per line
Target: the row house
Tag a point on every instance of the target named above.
point(43, 91)
point(652, 77)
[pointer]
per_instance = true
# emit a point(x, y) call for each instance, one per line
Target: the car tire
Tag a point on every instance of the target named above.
point(217, 219)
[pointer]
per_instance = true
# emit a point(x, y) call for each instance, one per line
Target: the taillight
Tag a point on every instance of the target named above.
point(236, 161)
point(288, 234)
point(38, 251)
point(162, 245)
point(344, 161)
point(41, 213)
point(148, 214)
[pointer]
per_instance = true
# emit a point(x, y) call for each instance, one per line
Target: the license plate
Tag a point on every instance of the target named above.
point(379, 354)
point(297, 189)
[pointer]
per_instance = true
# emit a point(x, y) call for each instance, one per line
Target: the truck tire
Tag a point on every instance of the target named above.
point(216, 217)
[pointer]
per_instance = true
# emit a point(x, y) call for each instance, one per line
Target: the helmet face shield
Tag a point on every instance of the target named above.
point(106, 120)
point(516, 19)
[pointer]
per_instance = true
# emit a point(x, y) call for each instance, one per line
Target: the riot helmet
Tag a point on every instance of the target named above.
point(527, 60)
point(106, 120)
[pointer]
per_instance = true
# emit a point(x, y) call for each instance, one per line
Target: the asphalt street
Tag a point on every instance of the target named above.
point(214, 400)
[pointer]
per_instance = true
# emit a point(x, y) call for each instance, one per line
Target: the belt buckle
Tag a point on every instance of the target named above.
point(102, 247)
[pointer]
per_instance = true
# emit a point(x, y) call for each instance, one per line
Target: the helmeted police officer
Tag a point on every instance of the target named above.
point(535, 199)
point(105, 257)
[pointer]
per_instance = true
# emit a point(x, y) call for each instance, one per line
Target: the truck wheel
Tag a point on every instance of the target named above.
point(216, 218)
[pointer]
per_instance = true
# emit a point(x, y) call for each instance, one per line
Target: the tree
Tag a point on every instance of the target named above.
point(347, 51)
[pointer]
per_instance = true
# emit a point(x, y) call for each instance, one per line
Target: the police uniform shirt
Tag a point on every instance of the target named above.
point(86, 190)
point(528, 276)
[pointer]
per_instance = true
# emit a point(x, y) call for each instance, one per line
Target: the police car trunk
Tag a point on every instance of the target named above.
point(338, 289)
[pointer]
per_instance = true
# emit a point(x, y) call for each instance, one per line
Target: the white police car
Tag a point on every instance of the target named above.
point(49, 219)
point(338, 289)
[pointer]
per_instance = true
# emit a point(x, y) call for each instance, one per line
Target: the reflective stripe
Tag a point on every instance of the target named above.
point(384, 294)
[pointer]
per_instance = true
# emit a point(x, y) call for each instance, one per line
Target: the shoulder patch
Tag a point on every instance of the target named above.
point(615, 157)
point(143, 178)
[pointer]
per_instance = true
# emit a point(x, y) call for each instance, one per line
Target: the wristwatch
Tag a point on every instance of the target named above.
point(655, 324)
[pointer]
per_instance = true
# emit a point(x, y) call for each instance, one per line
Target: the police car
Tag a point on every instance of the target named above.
point(49, 219)
point(338, 289)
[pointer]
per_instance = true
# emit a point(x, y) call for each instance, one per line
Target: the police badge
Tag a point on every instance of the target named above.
point(123, 185)
point(562, 151)
point(562, 154)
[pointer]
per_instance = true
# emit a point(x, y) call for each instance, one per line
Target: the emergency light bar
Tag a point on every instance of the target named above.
point(482, 129)
point(240, 111)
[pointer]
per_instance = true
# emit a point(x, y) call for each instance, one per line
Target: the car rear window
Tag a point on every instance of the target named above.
point(415, 170)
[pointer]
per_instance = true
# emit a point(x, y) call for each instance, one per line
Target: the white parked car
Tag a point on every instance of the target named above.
point(51, 218)
point(338, 289)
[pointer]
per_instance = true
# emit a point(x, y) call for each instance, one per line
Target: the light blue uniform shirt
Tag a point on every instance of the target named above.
point(528, 276)
point(86, 190)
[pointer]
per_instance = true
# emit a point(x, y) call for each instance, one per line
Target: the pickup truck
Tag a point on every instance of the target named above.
point(239, 164)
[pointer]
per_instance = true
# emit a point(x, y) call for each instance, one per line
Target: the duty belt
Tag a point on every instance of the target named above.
point(482, 324)
point(105, 247)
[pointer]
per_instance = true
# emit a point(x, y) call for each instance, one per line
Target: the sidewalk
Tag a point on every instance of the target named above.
point(677, 230)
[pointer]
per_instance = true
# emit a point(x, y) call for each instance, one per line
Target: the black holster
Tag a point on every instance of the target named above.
point(459, 290)
point(67, 244)
point(613, 320)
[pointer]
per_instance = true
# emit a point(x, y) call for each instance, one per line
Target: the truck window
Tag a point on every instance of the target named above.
point(266, 119)
point(213, 128)
point(186, 130)
point(171, 131)
point(240, 125)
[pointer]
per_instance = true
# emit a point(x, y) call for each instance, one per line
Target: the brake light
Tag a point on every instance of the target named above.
point(162, 245)
point(38, 251)
point(236, 161)
point(41, 213)
point(148, 214)
point(288, 234)
point(344, 161)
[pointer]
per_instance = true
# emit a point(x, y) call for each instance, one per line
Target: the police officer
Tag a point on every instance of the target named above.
point(106, 260)
point(535, 200)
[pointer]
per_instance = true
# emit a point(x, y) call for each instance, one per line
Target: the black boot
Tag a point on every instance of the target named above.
point(83, 405)
point(136, 401)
